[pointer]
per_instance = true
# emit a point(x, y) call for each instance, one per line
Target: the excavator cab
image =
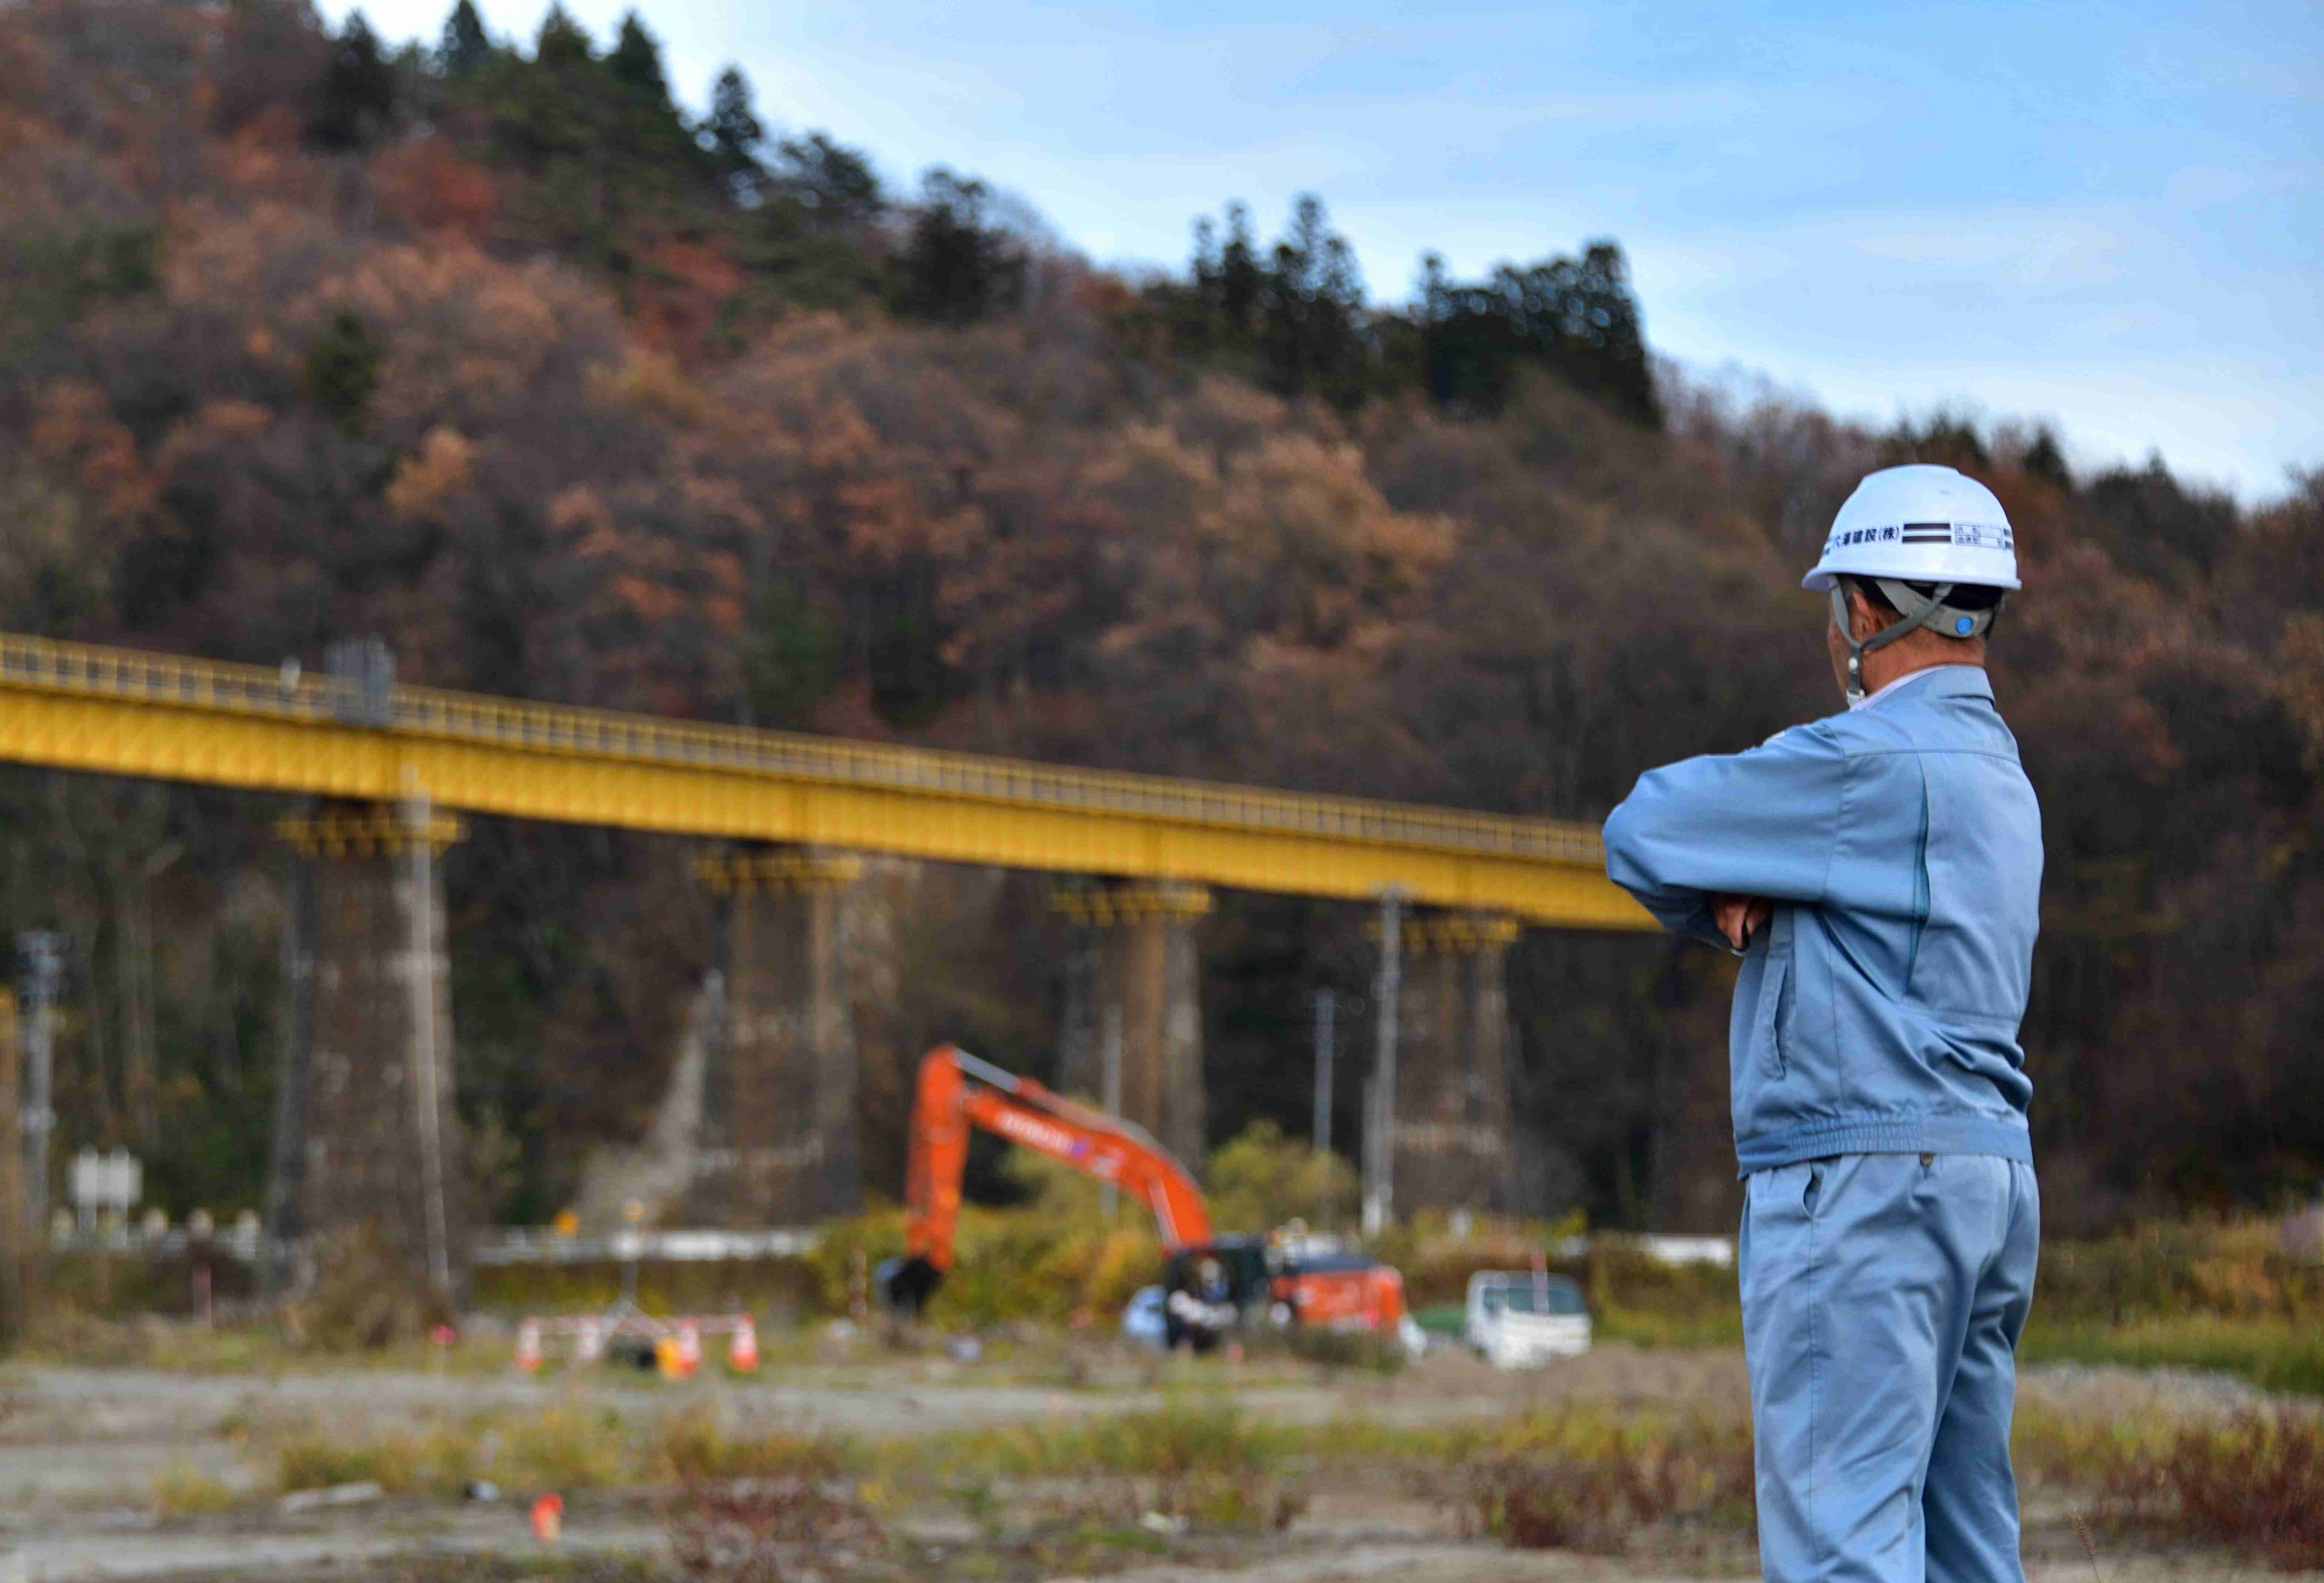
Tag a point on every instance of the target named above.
point(1212, 1287)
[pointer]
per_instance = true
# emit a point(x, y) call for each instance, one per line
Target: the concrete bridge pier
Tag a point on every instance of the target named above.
point(1134, 978)
point(784, 1146)
point(369, 1145)
point(1455, 1130)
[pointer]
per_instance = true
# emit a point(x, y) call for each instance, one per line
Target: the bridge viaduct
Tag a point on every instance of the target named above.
point(368, 1135)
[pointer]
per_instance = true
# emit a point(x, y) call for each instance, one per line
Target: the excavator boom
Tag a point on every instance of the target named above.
point(956, 1092)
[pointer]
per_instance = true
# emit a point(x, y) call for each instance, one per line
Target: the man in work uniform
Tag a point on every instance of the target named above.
point(1879, 873)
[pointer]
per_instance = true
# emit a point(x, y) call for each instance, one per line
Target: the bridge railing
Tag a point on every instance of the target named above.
point(48, 665)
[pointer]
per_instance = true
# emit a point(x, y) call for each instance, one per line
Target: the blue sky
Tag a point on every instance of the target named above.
point(2103, 215)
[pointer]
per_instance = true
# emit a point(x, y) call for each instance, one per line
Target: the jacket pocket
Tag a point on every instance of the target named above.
point(1772, 1019)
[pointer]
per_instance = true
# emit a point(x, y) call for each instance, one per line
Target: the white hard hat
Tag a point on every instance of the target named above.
point(1920, 535)
point(1920, 524)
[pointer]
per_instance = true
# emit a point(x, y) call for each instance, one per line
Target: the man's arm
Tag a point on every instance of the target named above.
point(1697, 842)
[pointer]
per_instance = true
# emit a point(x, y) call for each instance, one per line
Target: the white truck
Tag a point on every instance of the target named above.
point(1519, 1319)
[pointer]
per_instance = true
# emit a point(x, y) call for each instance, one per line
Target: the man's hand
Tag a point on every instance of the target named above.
point(1739, 917)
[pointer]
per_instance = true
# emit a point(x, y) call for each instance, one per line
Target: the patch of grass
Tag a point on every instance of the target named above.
point(1644, 1328)
point(266, 1347)
point(2256, 1485)
point(561, 1448)
point(2072, 1452)
point(433, 1461)
point(1227, 1503)
point(2275, 1354)
point(1201, 1459)
point(1181, 1436)
point(184, 1490)
point(697, 1444)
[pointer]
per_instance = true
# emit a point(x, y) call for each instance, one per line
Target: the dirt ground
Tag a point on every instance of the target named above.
point(85, 1452)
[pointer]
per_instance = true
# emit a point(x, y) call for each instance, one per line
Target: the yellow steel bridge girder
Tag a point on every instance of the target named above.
point(68, 707)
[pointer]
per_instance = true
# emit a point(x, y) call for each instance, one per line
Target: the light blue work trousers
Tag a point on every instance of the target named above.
point(1883, 1297)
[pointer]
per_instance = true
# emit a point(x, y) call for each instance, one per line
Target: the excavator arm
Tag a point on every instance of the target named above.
point(956, 1092)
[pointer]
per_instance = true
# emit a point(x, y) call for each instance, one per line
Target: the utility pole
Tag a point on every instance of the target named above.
point(285, 1222)
point(1320, 1134)
point(1110, 1090)
point(42, 958)
point(15, 1234)
point(1379, 1130)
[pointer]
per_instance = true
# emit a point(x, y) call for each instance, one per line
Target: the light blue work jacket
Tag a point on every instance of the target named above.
point(1877, 1012)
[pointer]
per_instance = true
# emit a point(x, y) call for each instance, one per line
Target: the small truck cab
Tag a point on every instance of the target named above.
point(1519, 1319)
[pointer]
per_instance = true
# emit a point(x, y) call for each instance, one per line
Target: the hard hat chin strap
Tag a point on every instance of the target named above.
point(1915, 610)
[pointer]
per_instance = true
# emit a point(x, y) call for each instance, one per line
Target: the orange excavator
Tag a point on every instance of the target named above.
point(1213, 1283)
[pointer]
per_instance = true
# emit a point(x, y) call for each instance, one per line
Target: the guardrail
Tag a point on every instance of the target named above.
point(49, 664)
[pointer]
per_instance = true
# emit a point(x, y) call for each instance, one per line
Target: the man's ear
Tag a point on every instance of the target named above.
point(1864, 621)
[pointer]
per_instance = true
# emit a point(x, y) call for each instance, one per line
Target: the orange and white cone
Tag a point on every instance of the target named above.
point(689, 1350)
point(528, 1346)
point(742, 1351)
point(589, 1342)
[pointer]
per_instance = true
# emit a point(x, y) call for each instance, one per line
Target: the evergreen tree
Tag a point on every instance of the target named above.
point(1230, 277)
point(1575, 316)
point(1311, 310)
point(561, 41)
point(465, 45)
point(835, 184)
point(355, 97)
point(2045, 459)
point(342, 370)
point(636, 63)
point(956, 268)
point(733, 133)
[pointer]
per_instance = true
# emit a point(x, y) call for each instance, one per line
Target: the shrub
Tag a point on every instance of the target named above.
point(1558, 1503)
point(2255, 1484)
point(1577, 1480)
point(2231, 1269)
point(768, 1530)
point(1261, 1179)
point(1038, 1263)
point(363, 1296)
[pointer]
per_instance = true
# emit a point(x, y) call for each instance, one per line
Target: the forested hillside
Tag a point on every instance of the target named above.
point(491, 350)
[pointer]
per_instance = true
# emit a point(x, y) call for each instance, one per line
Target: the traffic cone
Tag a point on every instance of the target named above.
point(742, 1351)
point(528, 1346)
point(549, 1518)
point(589, 1342)
point(689, 1350)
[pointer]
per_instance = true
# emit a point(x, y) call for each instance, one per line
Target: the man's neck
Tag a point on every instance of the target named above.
point(1885, 667)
